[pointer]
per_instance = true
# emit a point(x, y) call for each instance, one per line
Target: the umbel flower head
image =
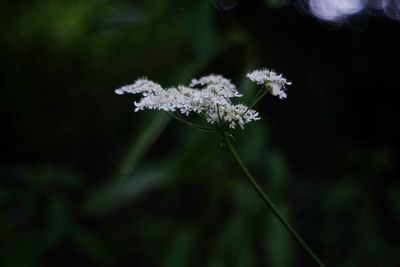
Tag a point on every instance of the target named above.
point(210, 97)
point(271, 80)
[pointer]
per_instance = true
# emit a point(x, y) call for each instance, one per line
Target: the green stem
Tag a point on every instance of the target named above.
point(267, 200)
point(193, 125)
point(256, 101)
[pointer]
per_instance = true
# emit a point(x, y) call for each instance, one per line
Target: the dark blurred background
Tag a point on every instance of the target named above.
point(85, 181)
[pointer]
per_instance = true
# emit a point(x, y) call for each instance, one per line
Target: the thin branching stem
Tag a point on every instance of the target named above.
point(267, 200)
point(258, 97)
point(219, 118)
point(193, 125)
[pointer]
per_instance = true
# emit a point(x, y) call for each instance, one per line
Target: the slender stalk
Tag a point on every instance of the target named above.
point(193, 125)
point(267, 200)
point(256, 101)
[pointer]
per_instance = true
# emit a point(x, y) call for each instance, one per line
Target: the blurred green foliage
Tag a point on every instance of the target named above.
point(84, 181)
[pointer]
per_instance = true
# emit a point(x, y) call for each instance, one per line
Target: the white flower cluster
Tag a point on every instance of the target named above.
point(270, 78)
point(209, 96)
point(233, 115)
point(142, 85)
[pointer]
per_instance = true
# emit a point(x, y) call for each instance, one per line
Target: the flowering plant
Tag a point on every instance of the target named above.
point(211, 98)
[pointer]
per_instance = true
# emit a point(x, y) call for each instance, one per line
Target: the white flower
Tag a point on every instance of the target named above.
point(216, 84)
point(142, 85)
point(210, 96)
point(270, 78)
point(233, 115)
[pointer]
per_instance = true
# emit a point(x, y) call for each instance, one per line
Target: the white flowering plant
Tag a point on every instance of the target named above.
point(212, 98)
